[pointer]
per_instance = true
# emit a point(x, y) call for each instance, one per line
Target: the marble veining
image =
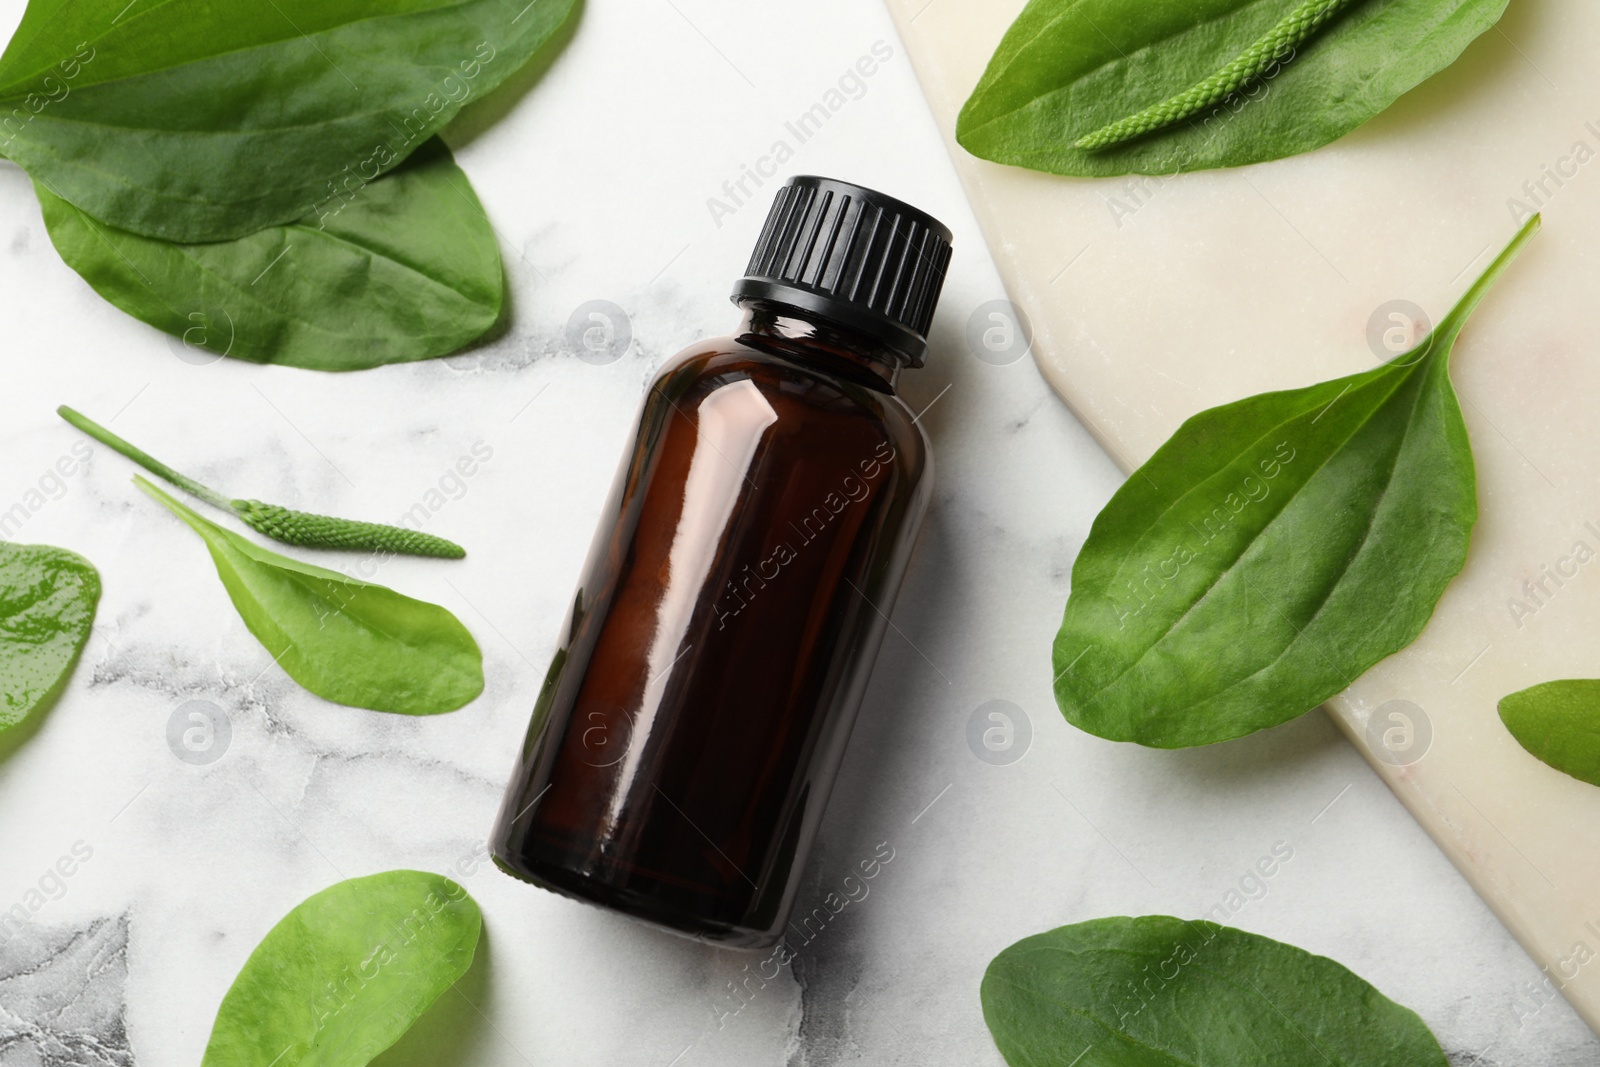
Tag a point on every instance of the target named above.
point(597, 180)
point(61, 996)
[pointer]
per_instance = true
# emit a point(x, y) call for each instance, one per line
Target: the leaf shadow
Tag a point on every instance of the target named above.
point(889, 771)
point(501, 328)
point(18, 735)
point(453, 1032)
point(480, 114)
point(1482, 72)
point(882, 755)
point(1288, 751)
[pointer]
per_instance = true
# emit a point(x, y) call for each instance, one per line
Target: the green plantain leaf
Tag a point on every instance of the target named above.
point(1559, 724)
point(1069, 67)
point(1161, 992)
point(47, 601)
point(344, 640)
point(346, 973)
point(1272, 550)
point(408, 270)
point(197, 120)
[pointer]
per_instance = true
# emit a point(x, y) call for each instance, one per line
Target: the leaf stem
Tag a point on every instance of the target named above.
point(1452, 323)
point(279, 523)
point(144, 459)
point(166, 500)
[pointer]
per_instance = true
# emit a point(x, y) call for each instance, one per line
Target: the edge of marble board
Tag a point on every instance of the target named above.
point(1501, 878)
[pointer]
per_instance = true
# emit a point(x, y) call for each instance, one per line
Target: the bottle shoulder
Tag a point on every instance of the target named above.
point(803, 398)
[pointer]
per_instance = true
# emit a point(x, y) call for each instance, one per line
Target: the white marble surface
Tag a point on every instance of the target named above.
point(597, 180)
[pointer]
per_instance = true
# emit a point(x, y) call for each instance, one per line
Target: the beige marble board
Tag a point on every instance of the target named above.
point(1151, 299)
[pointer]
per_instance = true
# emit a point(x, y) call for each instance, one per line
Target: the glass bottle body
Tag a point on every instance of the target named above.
point(690, 727)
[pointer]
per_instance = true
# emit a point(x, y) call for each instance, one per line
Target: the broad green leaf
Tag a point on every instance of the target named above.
point(1155, 991)
point(47, 601)
point(1559, 724)
point(1272, 550)
point(408, 270)
point(346, 641)
point(1067, 68)
point(346, 973)
point(196, 120)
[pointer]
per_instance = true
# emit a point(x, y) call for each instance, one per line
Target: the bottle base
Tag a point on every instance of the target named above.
point(636, 906)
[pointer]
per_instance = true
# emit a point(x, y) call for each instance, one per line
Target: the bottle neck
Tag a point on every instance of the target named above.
point(789, 332)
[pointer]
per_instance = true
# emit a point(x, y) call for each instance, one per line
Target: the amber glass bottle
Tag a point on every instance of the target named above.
point(692, 722)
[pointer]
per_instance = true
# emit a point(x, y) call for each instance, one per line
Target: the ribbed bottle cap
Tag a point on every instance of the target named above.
point(854, 255)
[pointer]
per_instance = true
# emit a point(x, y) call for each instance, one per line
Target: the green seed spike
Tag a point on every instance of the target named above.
point(1276, 46)
point(322, 531)
point(282, 524)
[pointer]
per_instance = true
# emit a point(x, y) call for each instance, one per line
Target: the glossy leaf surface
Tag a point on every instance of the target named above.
point(346, 973)
point(1156, 991)
point(47, 603)
point(1272, 550)
point(1067, 68)
point(346, 641)
point(194, 120)
point(1559, 724)
point(408, 269)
